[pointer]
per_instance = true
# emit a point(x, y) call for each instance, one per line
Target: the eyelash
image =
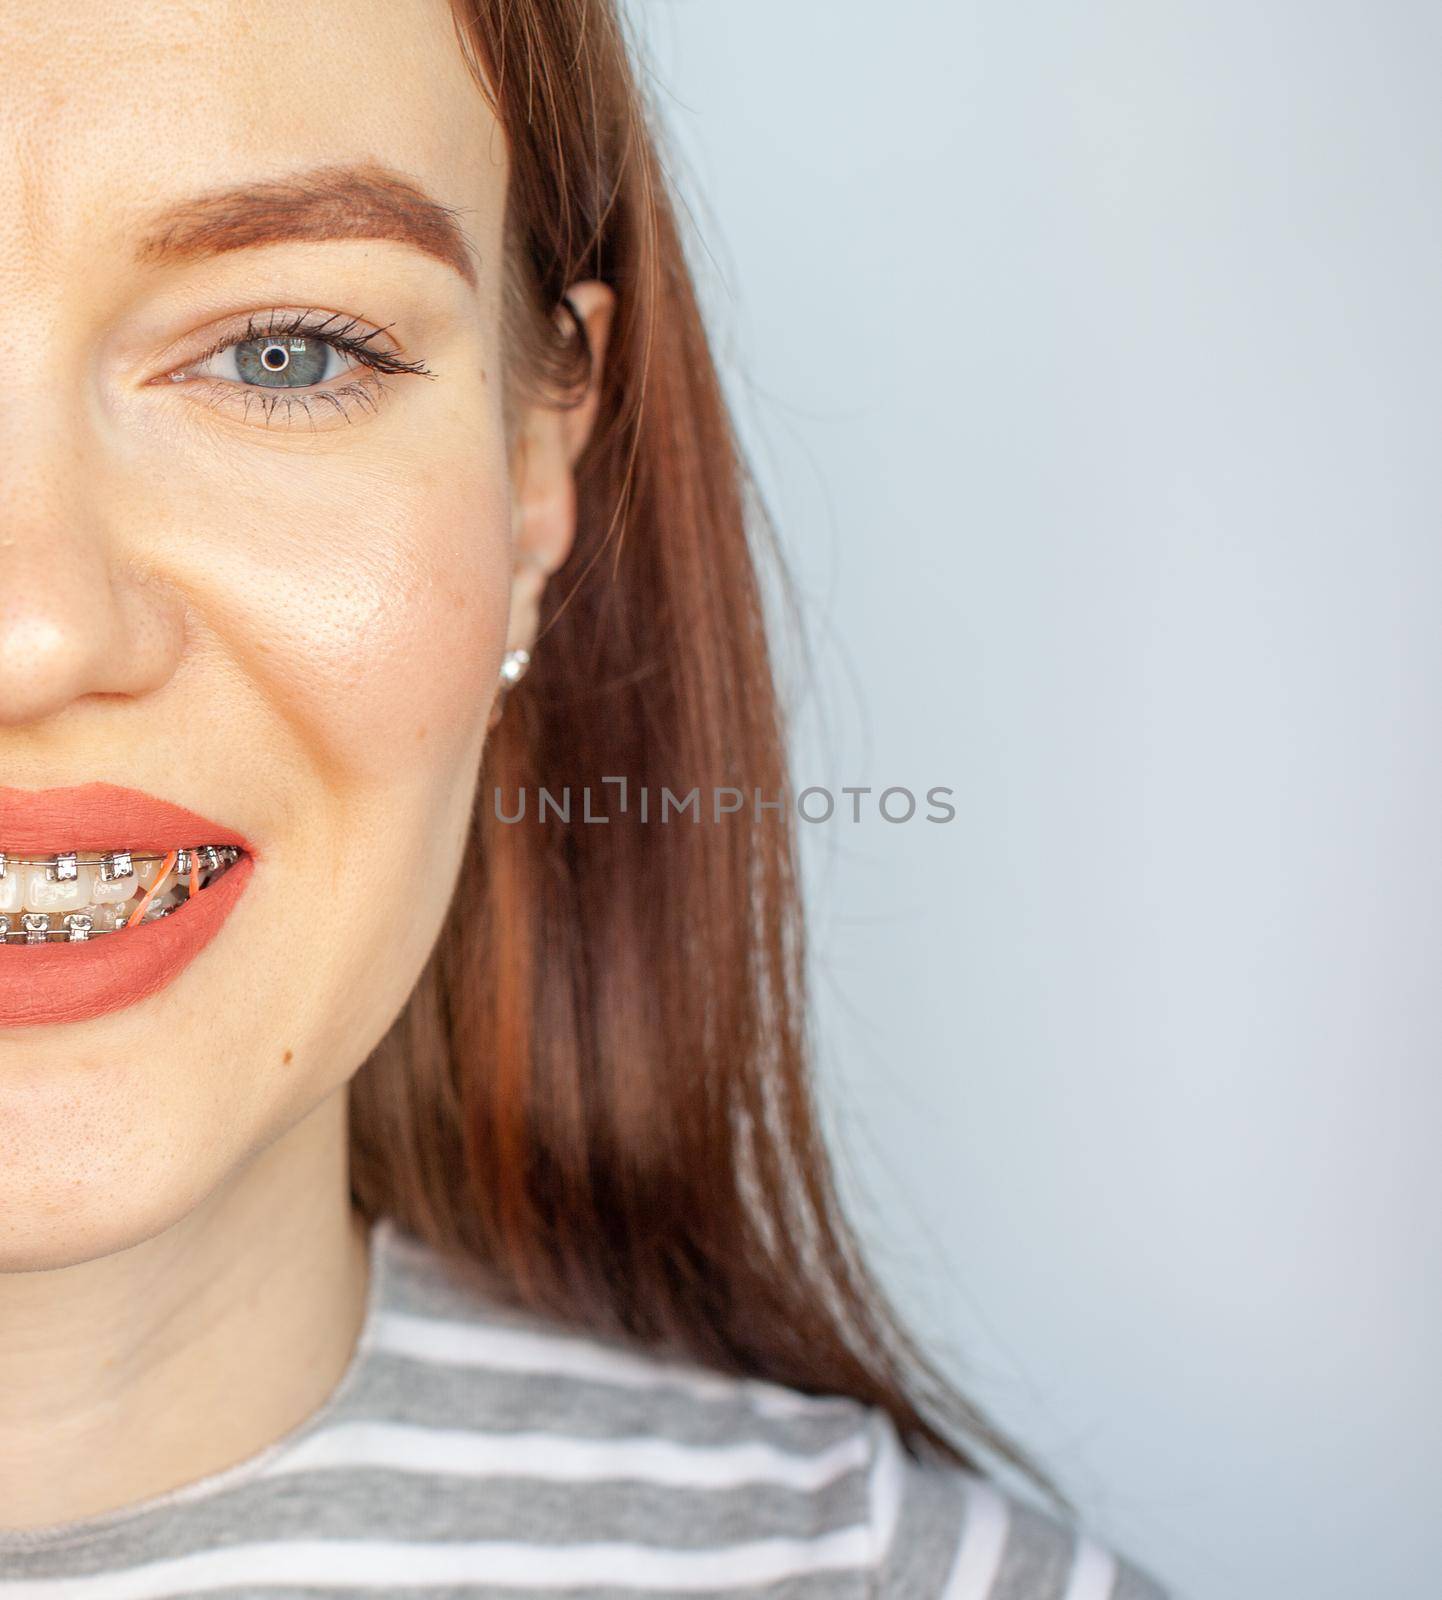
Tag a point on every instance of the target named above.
point(379, 364)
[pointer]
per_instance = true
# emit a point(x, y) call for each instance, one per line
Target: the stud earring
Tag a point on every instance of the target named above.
point(513, 668)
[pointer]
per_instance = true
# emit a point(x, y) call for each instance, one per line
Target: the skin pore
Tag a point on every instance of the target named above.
point(289, 617)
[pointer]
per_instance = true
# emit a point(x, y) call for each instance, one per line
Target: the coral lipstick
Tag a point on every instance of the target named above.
point(56, 983)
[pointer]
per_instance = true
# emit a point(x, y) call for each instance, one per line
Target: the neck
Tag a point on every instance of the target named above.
point(144, 1369)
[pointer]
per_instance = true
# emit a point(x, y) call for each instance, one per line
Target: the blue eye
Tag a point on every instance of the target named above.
point(284, 360)
point(292, 362)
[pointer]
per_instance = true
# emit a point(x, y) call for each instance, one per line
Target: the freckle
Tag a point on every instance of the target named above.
point(420, 733)
point(459, 602)
point(287, 1058)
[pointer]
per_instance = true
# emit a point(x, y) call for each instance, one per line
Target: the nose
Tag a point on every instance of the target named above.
point(76, 617)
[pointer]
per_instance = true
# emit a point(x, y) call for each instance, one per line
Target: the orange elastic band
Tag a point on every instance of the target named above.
point(154, 889)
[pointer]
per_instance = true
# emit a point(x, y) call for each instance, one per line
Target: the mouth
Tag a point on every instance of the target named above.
point(69, 898)
point(106, 897)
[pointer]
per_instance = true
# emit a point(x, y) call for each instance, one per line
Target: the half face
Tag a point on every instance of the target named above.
point(255, 562)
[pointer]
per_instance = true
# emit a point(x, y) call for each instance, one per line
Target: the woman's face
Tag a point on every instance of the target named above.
point(243, 574)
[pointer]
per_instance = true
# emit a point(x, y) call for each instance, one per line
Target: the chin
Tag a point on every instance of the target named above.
point(64, 1217)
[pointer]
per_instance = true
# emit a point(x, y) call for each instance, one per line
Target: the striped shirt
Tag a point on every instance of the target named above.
point(472, 1451)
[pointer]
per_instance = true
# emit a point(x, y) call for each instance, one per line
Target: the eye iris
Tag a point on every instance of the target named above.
point(281, 363)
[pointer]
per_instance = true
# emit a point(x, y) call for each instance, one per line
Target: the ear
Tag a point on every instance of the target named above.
point(548, 442)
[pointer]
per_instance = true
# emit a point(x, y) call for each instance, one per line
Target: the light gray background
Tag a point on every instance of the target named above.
point(1089, 356)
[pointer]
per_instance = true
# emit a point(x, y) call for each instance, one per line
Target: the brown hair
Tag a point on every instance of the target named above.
point(598, 1094)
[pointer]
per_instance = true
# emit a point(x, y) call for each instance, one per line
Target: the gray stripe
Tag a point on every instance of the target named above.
point(928, 1529)
point(471, 1397)
point(821, 1586)
point(348, 1504)
point(1038, 1557)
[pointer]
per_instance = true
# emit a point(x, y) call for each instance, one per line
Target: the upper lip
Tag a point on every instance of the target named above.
point(101, 817)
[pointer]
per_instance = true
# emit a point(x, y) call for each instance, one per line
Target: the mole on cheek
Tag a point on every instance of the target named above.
point(287, 1058)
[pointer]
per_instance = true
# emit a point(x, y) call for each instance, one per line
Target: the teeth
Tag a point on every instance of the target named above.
point(115, 891)
point(41, 894)
point(41, 902)
point(107, 892)
point(42, 891)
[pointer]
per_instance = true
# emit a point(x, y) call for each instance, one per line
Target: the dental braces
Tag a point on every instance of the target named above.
point(117, 864)
point(75, 927)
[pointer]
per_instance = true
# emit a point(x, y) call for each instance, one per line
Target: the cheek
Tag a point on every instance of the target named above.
point(378, 634)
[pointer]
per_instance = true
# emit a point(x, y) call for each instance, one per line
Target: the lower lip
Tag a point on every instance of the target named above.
point(47, 983)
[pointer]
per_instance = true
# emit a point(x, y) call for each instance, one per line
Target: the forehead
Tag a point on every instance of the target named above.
point(121, 107)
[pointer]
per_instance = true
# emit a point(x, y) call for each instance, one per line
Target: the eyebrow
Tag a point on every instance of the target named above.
point(333, 202)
